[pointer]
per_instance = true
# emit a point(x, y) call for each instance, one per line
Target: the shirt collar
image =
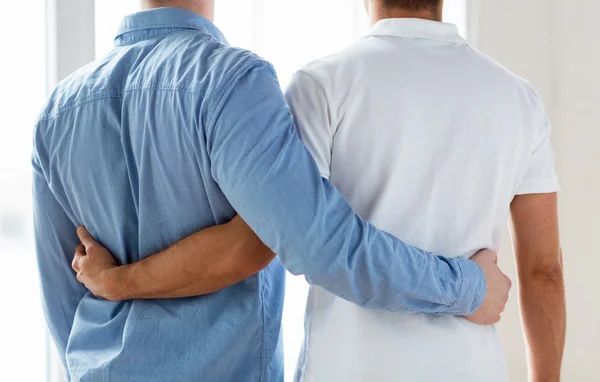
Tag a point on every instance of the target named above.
point(417, 28)
point(157, 22)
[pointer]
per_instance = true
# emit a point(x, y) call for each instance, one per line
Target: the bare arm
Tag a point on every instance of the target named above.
point(203, 263)
point(541, 286)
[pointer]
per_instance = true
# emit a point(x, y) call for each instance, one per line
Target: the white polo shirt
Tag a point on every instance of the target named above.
point(429, 140)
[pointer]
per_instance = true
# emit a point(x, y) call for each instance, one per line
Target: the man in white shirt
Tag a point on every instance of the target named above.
point(434, 142)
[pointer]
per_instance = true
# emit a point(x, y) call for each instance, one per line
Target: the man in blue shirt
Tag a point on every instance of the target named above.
point(175, 131)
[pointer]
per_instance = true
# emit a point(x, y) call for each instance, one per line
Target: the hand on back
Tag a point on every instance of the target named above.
point(498, 286)
point(93, 264)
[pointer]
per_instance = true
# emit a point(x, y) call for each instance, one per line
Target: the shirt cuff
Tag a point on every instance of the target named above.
point(472, 291)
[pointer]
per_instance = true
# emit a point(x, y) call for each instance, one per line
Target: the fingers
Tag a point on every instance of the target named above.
point(494, 320)
point(79, 253)
point(483, 319)
point(85, 237)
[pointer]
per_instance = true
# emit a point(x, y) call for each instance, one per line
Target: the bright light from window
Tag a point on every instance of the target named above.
point(22, 74)
point(455, 12)
point(109, 14)
point(291, 33)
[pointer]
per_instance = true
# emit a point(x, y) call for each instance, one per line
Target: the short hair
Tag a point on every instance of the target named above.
point(413, 5)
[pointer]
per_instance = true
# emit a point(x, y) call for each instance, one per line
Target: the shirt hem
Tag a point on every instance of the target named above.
point(542, 187)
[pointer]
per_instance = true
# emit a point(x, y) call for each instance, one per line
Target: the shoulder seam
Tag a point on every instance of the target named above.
point(253, 63)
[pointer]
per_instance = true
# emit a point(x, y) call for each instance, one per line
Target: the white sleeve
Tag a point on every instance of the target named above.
point(540, 176)
point(308, 102)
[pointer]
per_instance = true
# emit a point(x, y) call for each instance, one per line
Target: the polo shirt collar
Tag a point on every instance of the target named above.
point(417, 28)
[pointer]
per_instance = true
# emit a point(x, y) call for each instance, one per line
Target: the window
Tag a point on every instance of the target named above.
point(22, 74)
point(291, 33)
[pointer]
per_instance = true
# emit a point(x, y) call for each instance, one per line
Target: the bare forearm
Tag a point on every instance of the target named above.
point(543, 311)
point(542, 290)
point(202, 263)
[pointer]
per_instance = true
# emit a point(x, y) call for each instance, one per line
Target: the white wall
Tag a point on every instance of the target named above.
point(556, 45)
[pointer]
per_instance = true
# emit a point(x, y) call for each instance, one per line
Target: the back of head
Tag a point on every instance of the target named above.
point(413, 5)
point(424, 9)
point(205, 8)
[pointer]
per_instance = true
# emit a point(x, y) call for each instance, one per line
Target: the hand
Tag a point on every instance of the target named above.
point(94, 265)
point(498, 286)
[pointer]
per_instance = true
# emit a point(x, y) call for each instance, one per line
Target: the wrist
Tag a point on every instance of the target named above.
point(117, 283)
point(473, 288)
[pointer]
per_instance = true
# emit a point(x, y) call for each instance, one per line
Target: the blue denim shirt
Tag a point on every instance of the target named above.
point(176, 131)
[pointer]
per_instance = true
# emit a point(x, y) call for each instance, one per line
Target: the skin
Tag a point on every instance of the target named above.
point(221, 256)
point(218, 257)
point(538, 254)
point(205, 8)
point(177, 271)
point(498, 287)
point(377, 11)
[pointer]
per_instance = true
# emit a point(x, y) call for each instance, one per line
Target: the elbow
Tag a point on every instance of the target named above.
point(262, 260)
point(254, 260)
point(546, 274)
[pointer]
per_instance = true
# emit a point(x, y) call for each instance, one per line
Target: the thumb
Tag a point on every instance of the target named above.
point(86, 238)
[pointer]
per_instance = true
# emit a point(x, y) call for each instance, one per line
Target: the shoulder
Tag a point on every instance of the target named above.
point(232, 61)
point(499, 73)
point(526, 103)
point(334, 67)
point(224, 68)
point(74, 89)
point(326, 76)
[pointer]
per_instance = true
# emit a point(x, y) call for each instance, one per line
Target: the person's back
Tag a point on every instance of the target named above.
point(429, 140)
point(135, 118)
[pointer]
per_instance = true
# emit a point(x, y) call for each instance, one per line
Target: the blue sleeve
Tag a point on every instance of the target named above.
point(55, 243)
point(273, 182)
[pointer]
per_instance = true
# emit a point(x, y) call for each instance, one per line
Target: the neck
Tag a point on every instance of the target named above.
point(205, 8)
point(379, 12)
